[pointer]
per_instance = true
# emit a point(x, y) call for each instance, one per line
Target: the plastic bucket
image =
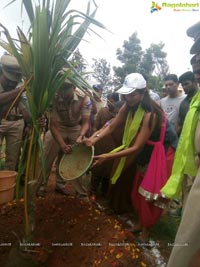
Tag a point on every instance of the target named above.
point(7, 185)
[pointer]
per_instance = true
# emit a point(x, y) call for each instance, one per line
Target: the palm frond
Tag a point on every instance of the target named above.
point(29, 9)
point(26, 51)
point(55, 32)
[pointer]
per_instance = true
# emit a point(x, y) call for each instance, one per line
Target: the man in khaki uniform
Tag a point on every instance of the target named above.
point(186, 249)
point(69, 122)
point(12, 126)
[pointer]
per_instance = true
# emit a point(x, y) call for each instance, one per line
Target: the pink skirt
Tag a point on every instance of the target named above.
point(148, 213)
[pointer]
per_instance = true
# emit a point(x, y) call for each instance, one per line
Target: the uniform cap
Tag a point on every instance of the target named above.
point(97, 87)
point(132, 82)
point(195, 49)
point(63, 72)
point(11, 68)
point(194, 31)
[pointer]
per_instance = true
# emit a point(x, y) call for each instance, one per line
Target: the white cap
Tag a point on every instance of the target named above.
point(132, 82)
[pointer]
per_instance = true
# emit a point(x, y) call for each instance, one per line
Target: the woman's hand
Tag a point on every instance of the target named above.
point(98, 160)
point(88, 141)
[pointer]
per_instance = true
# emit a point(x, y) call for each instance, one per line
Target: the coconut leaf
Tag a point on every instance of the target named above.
point(12, 45)
point(26, 52)
point(6, 46)
point(54, 34)
point(29, 9)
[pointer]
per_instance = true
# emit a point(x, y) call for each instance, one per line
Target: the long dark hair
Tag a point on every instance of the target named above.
point(151, 106)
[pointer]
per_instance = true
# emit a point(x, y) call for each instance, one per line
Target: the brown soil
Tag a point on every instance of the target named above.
point(71, 232)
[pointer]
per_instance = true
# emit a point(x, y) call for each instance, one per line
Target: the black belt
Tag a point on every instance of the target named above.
point(13, 118)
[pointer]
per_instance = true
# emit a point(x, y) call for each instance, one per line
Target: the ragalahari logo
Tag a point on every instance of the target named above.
point(155, 7)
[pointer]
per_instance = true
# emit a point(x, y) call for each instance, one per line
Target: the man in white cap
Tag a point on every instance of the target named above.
point(11, 123)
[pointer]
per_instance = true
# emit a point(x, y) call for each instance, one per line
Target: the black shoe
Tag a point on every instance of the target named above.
point(62, 191)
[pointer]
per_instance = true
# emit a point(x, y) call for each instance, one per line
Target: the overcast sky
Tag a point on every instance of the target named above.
point(123, 18)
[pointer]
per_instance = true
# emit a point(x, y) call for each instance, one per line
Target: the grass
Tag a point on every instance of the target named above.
point(166, 228)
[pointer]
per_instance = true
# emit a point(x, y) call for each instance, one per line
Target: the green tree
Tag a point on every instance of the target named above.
point(78, 61)
point(102, 72)
point(151, 63)
point(154, 65)
point(130, 57)
point(155, 60)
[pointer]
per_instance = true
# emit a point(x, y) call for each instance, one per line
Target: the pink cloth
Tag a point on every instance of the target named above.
point(147, 212)
point(156, 175)
point(147, 186)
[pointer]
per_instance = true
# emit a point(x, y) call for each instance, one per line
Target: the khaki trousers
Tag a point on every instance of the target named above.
point(186, 187)
point(12, 131)
point(52, 151)
point(187, 240)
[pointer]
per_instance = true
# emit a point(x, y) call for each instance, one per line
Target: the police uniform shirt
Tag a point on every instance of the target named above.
point(69, 113)
point(15, 111)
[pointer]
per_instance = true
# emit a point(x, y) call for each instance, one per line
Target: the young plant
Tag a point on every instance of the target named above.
point(54, 34)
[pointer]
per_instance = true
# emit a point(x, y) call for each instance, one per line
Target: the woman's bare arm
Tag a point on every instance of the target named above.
point(116, 122)
point(141, 139)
